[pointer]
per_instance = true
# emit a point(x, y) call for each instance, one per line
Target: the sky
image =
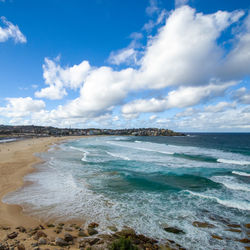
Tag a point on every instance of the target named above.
point(177, 64)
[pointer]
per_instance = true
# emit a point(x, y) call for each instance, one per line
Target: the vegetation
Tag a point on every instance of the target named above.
point(123, 244)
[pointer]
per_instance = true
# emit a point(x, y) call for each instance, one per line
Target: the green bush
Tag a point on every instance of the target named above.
point(123, 244)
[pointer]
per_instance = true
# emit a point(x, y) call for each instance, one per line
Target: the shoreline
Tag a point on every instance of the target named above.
point(17, 161)
point(22, 231)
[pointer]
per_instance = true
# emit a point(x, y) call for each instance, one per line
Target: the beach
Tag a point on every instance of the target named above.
point(175, 191)
point(17, 159)
point(21, 231)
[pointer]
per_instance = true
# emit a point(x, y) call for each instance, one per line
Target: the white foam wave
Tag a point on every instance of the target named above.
point(227, 203)
point(241, 162)
point(144, 147)
point(230, 183)
point(8, 140)
point(221, 156)
point(118, 156)
point(84, 158)
point(85, 153)
point(78, 149)
point(240, 173)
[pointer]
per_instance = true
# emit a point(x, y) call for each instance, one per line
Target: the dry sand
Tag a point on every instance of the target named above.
point(16, 161)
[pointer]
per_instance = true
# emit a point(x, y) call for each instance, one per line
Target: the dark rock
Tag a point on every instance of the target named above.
point(59, 227)
point(3, 247)
point(92, 231)
point(202, 224)
point(20, 247)
point(68, 237)
point(50, 225)
point(234, 225)
point(39, 234)
point(68, 229)
point(247, 225)
point(245, 241)
point(93, 225)
point(21, 229)
point(93, 241)
point(126, 232)
point(34, 244)
point(214, 236)
point(42, 241)
point(42, 227)
point(145, 239)
point(12, 235)
point(61, 224)
point(173, 230)
point(5, 228)
point(234, 230)
point(58, 231)
point(113, 228)
point(82, 234)
point(106, 237)
point(61, 242)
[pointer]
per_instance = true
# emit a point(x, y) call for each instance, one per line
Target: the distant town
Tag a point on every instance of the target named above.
point(41, 131)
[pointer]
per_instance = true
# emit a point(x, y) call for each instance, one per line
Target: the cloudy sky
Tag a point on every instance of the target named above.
point(183, 64)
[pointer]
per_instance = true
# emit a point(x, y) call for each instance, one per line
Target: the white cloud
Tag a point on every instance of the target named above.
point(20, 107)
point(152, 117)
point(180, 98)
point(11, 31)
point(236, 63)
point(179, 3)
point(34, 86)
point(59, 78)
point(153, 23)
point(185, 52)
point(184, 55)
point(127, 56)
point(152, 8)
point(219, 107)
point(242, 95)
point(226, 119)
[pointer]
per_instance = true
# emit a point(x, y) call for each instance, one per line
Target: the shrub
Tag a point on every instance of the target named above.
point(123, 244)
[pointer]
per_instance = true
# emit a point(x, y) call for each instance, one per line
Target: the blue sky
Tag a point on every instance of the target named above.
point(183, 65)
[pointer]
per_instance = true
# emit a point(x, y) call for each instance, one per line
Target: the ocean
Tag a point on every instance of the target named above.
point(147, 183)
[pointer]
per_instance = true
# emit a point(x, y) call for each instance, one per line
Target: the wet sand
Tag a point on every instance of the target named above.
point(16, 161)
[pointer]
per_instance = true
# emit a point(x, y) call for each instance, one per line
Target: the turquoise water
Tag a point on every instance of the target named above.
point(146, 183)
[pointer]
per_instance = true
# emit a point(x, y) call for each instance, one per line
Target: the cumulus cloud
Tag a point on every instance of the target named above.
point(183, 56)
point(20, 107)
point(59, 78)
point(180, 98)
point(11, 31)
point(185, 51)
point(227, 118)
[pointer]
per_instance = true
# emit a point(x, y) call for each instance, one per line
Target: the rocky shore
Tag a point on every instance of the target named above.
point(73, 236)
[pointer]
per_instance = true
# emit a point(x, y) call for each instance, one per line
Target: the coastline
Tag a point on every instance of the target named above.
point(21, 231)
point(17, 160)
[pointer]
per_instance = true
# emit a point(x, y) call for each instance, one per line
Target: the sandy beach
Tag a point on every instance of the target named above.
point(17, 159)
point(20, 231)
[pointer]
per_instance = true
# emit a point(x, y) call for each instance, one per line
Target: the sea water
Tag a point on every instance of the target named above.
point(147, 183)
